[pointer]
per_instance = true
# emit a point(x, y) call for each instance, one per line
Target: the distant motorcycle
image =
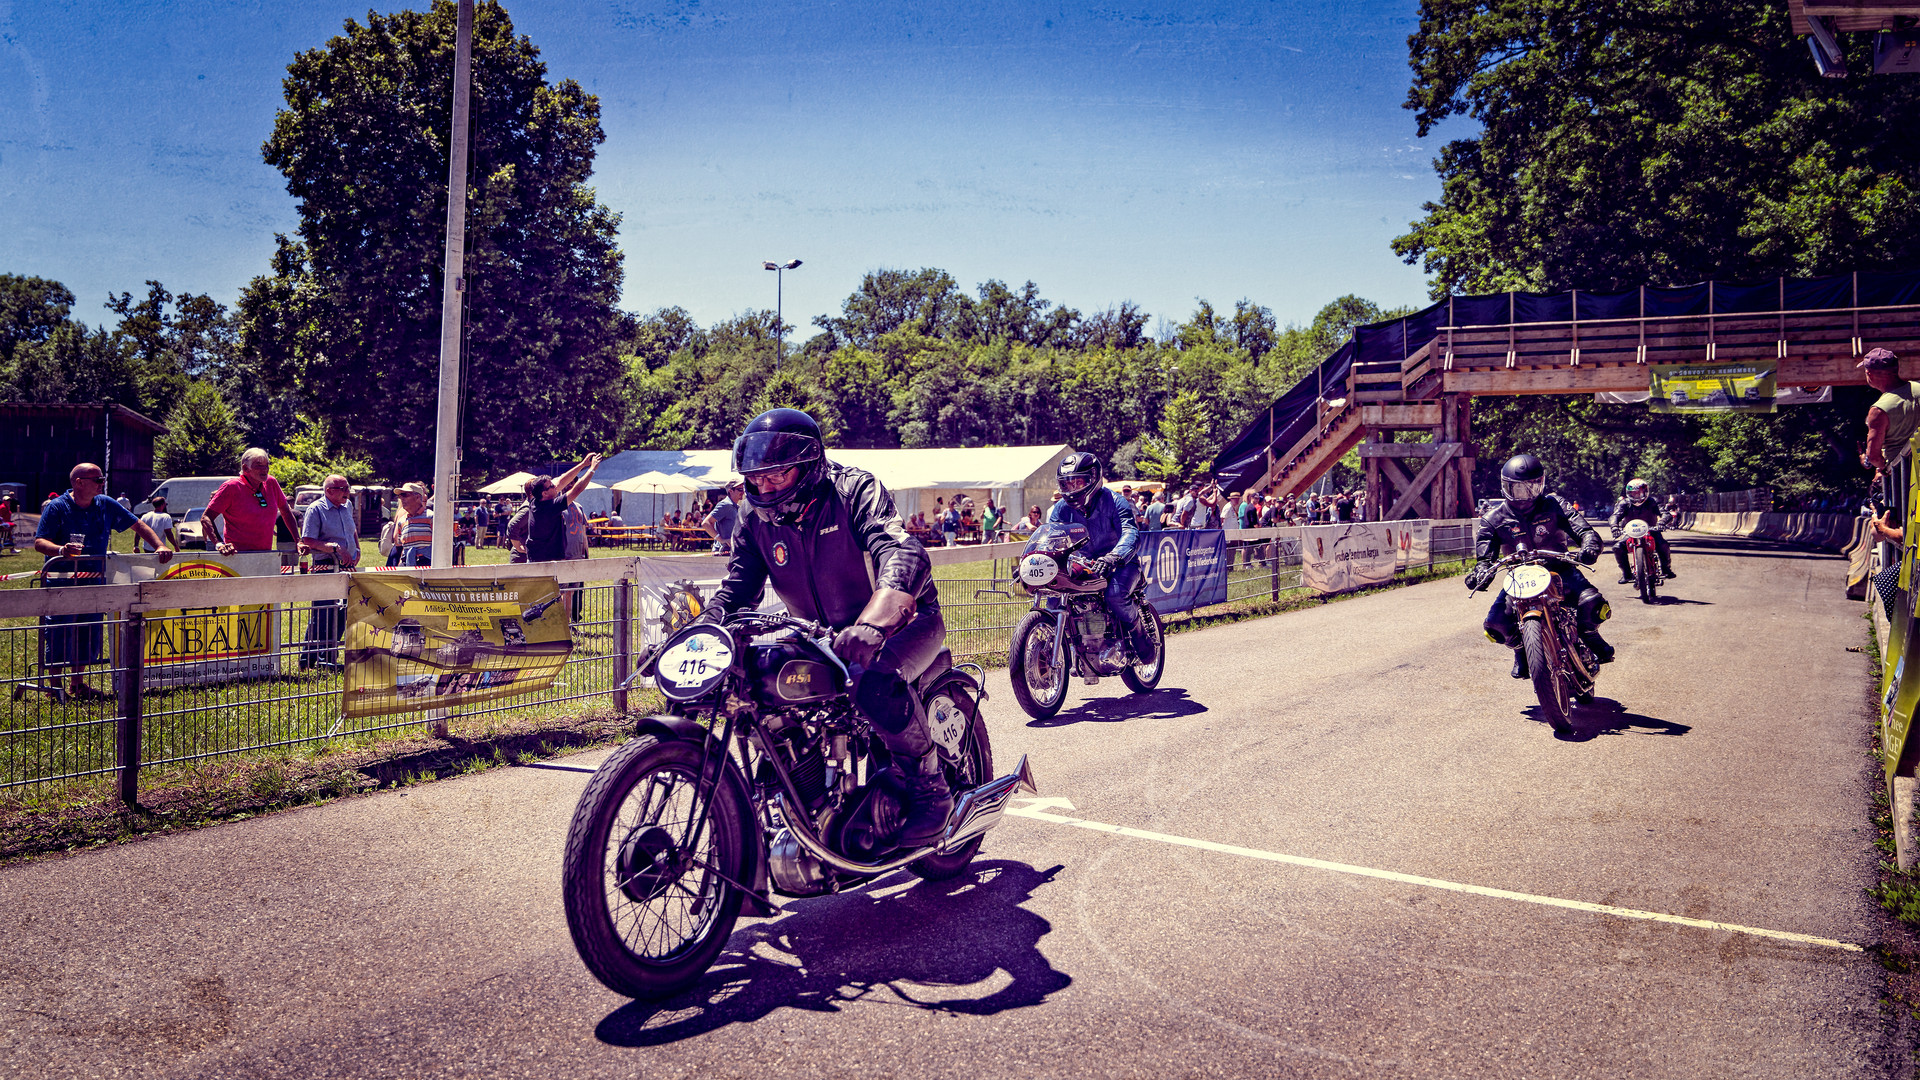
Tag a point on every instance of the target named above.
point(763, 776)
point(1645, 560)
point(1563, 669)
point(1068, 630)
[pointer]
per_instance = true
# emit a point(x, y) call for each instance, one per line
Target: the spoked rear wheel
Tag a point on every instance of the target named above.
point(1039, 683)
point(644, 872)
point(1141, 678)
point(1550, 687)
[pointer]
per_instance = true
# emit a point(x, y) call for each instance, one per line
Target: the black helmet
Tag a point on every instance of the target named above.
point(776, 439)
point(1078, 478)
point(1522, 480)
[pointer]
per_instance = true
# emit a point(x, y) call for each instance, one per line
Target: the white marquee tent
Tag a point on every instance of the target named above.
point(1013, 476)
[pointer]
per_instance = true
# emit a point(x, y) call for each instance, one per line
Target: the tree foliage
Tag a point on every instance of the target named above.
point(202, 438)
point(349, 315)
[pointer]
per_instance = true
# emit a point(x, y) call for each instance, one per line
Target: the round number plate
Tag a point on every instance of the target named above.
point(692, 665)
point(1526, 582)
point(1037, 569)
point(1637, 529)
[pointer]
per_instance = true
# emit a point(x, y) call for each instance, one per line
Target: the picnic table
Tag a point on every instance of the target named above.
point(687, 537)
point(621, 535)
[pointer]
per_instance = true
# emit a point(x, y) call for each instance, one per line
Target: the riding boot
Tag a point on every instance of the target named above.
point(928, 803)
point(1520, 664)
point(1139, 635)
point(1602, 651)
point(1666, 571)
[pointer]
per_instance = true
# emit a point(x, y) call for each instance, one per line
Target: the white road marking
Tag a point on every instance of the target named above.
point(1037, 809)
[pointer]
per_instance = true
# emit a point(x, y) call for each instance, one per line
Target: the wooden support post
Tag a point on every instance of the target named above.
point(1273, 552)
point(133, 649)
point(622, 641)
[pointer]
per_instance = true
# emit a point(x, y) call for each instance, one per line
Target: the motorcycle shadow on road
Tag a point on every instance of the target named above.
point(1167, 703)
point(914, 946)
point(1605, 716)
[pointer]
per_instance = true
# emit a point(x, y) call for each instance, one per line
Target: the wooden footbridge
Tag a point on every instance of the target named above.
point(1401, 391)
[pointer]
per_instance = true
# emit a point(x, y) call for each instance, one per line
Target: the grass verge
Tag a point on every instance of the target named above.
point(239, 787)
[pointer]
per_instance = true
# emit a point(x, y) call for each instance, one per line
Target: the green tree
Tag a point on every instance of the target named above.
point(309, 456)
point(202, 438)
point(31, 309)
point(1625, 142)
point(350, 313)
point(927, 301)
point(1185, 444)
point(72, 364)
point(173, 340)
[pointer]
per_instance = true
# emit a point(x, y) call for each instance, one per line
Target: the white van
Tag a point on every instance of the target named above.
point(183, 493)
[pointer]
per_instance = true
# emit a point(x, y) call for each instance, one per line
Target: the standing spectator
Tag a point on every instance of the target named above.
point(517, 528)
point(1183, 508)
point(74, 528)
point(721, 520)
point(247, 506)
point(950, 522)
point(413, 527)
point(575, 520)
point(156, 519)
point(990, 523)
point(6, 523)
point(1157, 512)
point(482, 517)
point(550, 497)
point(328, 535)
point(1033, 519)
point(1893, 417)
point(1343, 506)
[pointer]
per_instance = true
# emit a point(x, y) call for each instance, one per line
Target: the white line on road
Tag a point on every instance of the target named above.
point(1036, 809)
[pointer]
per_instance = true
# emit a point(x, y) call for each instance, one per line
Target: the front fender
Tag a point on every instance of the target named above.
point(667, 727)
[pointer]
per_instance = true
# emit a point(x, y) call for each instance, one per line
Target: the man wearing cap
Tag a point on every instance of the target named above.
point(413, 542)
point(1891, 420)
point(725, 515)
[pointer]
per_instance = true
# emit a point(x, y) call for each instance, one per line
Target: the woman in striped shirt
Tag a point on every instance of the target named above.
point(416, 526)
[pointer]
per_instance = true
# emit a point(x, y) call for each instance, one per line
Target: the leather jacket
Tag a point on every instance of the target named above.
point(1110, 529)
point(826, 558)
point(1648, 512)
point(1549, 524)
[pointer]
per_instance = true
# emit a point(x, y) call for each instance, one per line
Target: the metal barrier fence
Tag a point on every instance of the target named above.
point(285, 690)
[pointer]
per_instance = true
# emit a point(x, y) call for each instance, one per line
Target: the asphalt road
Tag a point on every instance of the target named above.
point(1720, 778)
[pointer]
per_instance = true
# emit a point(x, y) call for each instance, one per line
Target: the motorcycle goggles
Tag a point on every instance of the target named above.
point(761, 451)
point(1523, 490)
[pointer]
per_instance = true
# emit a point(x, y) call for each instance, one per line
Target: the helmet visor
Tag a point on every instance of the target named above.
point(757, 451)
point(1523, 490)
point(1073, 485)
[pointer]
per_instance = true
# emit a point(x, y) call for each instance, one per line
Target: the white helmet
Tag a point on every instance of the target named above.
point(1638, 490)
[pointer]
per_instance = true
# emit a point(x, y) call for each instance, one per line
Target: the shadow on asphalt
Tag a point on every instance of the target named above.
point(1605, 716)
point(1166, 703)
point(915, 947)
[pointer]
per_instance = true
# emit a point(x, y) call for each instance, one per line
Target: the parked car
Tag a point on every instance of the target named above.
point(183, 491)
point(188, 530)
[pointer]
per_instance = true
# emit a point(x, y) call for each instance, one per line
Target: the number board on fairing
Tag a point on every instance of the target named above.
point(694, 663)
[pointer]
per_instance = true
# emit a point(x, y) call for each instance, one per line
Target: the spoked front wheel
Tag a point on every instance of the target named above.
point(1141, 678)
point(1548, 685)
point(1039, 681)
point(644, 875)
point(1643, 578)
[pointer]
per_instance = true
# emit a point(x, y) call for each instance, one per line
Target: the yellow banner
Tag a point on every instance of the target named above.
point(414, 644)
point(200, 635)
point(1693, 388)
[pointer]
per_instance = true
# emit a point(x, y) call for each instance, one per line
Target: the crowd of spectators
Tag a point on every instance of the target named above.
point(1204, 506)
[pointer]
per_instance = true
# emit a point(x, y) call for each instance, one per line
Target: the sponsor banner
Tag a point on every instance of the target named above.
point(210, 645)
point(1184, 568)
point(1693, 388)
point(414, 643)
point(1341, 558)
point(1412, 542)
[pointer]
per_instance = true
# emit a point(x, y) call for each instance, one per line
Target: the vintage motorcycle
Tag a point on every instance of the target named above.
point(1561, 666)
point(762, 776)
point(1068, 631)
point(1645, 560)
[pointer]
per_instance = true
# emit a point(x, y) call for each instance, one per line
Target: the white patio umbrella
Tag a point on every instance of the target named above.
point(661, 483)
point(508, 485)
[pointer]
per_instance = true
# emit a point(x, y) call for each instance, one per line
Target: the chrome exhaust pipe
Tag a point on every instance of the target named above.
point(979, 810)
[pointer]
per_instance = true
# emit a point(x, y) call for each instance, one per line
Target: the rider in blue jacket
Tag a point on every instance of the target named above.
point(1112, 535)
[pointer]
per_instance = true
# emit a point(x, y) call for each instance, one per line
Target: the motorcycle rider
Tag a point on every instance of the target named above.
point(827, 537)
point(1640, 506)
point(1112, 535)
point(1531, 515)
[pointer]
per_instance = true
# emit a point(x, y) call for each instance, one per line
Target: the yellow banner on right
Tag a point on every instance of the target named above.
point(1703, 388)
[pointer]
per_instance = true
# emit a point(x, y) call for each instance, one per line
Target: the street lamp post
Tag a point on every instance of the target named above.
point(779, 270)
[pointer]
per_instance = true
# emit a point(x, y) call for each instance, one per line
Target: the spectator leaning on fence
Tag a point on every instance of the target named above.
point(327, 533)
point(721, 520)
point(73, 533)
point(413, 532)
point(1892, 418)
point(248, 505)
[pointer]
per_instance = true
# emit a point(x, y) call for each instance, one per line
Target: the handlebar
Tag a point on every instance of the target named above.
point(1527, 556)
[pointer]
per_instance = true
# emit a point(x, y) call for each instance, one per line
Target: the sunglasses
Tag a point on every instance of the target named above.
point(93, 478)
point(262, 496)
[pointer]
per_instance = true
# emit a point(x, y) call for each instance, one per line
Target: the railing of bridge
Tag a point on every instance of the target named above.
point(134, 715)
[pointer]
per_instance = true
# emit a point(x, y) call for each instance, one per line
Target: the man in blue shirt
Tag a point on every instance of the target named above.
point(327, 533)
point(1112, 535)
point(73, 536)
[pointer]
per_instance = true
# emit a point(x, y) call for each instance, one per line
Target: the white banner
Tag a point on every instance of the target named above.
point(1341, 558)
point(1412, 542)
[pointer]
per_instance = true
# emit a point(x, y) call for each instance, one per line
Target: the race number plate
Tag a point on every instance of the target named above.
point(1037, 569)
point(1637, 529)
point(694, 664)
point(1526, 582)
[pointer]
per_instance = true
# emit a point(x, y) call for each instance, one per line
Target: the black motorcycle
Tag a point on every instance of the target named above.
point(1563, 669)
point(1068, 630)
point(762, 777)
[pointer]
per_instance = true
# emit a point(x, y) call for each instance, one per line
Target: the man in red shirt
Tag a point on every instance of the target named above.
point(247, 506)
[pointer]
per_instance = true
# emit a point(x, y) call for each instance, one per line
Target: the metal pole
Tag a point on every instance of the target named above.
point(133, 645)
point(779, 320)
point(446, 462)
point(622, 641)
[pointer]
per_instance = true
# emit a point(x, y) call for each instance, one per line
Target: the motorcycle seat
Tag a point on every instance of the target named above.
point(939, 667)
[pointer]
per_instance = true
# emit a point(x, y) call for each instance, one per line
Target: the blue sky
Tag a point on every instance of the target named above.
point(1156, 152)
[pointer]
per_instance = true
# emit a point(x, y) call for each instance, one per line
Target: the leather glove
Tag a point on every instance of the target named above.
point(1590, 551)
point(859, 644)
point(1478, 577)
point(1103, 566)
